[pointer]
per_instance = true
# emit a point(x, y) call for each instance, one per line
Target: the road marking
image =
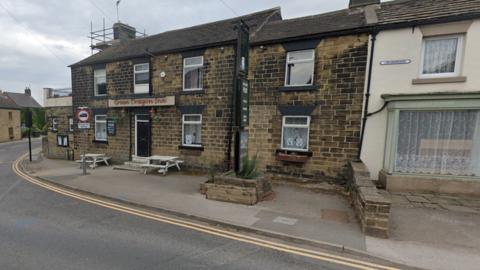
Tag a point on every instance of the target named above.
point(16, 146)
point(5, 193)
point(206, 229)
point(2, 150)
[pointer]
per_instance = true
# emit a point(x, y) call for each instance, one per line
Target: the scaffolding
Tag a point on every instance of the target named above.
point(112, 36)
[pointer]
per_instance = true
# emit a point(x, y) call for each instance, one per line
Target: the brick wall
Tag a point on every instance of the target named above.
point(6, 123)
point(50, 147)
point(339, 73)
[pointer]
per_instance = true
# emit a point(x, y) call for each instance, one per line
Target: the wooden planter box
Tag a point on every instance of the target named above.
point(241, 195)
point(292, 158)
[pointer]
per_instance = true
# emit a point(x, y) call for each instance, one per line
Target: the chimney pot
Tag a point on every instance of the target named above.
point(28, 91)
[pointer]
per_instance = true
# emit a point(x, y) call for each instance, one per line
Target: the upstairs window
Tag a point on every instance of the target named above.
point(10, 115)
point(299, 69)
point(441, 56)
point(295, 132)
point(141, 78)
point(100, 127)
point(193, 73)
point(100, 82)
point(192, 130)
point(54, 124)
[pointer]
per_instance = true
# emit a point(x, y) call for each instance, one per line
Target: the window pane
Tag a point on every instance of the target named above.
point(439, 142)
point(192, 134)
point(100, 130)
point(193, 61)
point(295, 138)
point(299, 73)
point(440, 56)
point(192, 118)
point(100, 72)
point(296, 120)
point(101, 85)
point(141, 78)
point(100, 118)
point(143, 67)
point(193, 78)
point(303, 55)
point(143, 117)
point(59, 140)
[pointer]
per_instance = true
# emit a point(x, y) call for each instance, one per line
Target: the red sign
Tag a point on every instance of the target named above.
point(83, 115)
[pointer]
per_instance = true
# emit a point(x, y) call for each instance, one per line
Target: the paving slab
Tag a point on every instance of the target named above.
point(458, 208)
point(469, 203)
point(417, 199)
point(443, 200)
point(432, 206)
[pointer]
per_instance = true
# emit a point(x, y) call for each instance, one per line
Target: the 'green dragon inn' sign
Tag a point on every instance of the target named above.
point(142, 102)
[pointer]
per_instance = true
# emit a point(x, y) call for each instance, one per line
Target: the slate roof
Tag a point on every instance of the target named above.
point(406, 11)
point(319, 24)
point(7, 104)
point(23, 100)
point(197, 36)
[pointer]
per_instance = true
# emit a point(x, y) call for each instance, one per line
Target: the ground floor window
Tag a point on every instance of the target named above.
point(10, 132)
point(435, 135)
point(439, 142)
point(192, 130)
point(100, 127)
point(295, 132)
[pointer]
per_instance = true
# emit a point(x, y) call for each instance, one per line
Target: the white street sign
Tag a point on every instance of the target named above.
point(83, 125)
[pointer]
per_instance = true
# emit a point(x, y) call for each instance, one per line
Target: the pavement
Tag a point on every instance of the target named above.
point(423, 232)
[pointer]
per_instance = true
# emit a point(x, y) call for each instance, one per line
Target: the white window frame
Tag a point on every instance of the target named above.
point(54, 124)
point(95, 75)
point(144, 87)
point(299, 61)
point(191, 122)
point(70, 124)
point(190, 66)
point(100, 121)
point(294, 126)
point(458, 58)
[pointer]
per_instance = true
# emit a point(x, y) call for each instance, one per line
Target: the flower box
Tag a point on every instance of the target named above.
point(241, 195)
point(292, 157)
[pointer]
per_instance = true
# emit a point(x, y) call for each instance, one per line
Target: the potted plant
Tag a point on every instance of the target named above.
point(157, 117)
point(292, 157)
point(116, 118)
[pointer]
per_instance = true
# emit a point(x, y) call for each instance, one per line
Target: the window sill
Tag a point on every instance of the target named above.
point(99, 97)
point(300, 153)
point(439, 80)
point(97, 141)
point(297, 88)
point(54, 131)
point(198, 148)
point(193, 92)
point(70, 131)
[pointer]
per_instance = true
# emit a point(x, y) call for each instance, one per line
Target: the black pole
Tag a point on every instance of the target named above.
point(367, 95)
point(30, 143)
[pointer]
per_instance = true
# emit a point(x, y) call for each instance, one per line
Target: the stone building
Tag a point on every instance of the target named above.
point(59, 116)
point(24, 100)
point(10, 129)
point(171, 94)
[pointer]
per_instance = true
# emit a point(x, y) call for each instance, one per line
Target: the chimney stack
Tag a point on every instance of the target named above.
point(28, 91)
point(123, 32)
point(362, 3)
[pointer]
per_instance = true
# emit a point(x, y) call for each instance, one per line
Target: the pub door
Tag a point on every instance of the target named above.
point(142, 135)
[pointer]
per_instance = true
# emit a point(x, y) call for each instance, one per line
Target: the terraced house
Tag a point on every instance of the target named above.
point(425, 77)
point(172, 93)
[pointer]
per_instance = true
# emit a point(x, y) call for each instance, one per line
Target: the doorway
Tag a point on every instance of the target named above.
point(142, 135)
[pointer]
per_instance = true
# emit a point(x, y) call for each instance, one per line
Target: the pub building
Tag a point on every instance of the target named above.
point(179, 93)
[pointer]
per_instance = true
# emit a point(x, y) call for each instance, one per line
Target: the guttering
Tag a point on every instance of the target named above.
point(367, 95)
point(425, 22)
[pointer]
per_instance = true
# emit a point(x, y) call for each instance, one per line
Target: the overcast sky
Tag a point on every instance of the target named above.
point(63, 26)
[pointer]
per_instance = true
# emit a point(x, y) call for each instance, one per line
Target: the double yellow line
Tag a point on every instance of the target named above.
point(206, 229)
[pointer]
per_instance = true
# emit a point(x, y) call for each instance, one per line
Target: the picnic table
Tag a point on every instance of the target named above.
point(162, 163)
point(94, 159)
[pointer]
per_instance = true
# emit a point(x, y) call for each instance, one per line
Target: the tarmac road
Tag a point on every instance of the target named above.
point(44, 229)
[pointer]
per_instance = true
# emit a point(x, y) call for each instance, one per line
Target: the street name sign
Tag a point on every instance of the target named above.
point(83, 125)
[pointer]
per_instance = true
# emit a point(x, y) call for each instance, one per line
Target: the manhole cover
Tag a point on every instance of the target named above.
point(333, 215)
point(286, 221)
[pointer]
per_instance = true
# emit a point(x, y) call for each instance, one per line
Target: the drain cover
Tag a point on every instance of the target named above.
point(286, 221)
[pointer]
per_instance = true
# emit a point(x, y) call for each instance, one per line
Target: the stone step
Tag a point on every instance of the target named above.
point(127, 168)
point(139, 159)
point(134, 164)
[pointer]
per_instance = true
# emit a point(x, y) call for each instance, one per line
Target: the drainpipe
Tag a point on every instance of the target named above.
point(367, 95)
point(130, 153)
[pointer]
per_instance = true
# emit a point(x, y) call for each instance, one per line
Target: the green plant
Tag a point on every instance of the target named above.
point(211, 172)
point(44, 130)
point(250, 167)
point(116, 118)
point(157, 117)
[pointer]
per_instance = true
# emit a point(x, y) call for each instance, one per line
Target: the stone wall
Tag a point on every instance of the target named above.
point(7, 123)
point(50, 147)
point(370, 207)
point(339, 74)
